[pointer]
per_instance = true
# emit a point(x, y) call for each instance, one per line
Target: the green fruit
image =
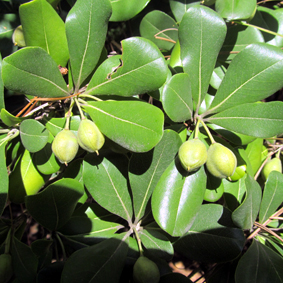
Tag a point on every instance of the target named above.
point(6, 270)
point(239, 172)
point(192, 154)
point(214, 194)
point(89, 136)
point(221, 161)
point(145, 271)
point(65, 146)
point(18, 37)
point(273, 164)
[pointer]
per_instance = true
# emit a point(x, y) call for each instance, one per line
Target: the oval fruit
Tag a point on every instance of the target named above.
point(6, 270)
point(89, 136)
point(221, 161)
point(192, 154)
point(213, 195)
point(65, 146)
point(145, 271)
point(239, 172)
point(273, 164)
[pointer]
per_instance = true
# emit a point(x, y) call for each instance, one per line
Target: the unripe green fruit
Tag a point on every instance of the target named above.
point(273, 164)
point(89, 136)
point(221, 161)
point(65, 146)
point(6, 270)
point(192, 154)
point(18, 37)
point(239, 172)
point(145, 271)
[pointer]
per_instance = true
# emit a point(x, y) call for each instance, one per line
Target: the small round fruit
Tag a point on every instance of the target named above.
point(221, 161)
point(213, 195)
point(6, 270)
point(273, 164)
point(145, 271)
point(65, 146)
point(192, 154)
point(89, 136)
point(239, 173)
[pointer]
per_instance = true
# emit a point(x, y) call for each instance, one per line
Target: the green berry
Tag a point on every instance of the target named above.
point(273, 164)
point(65, 146)
point(192, 154)
point(221, 161)
point(145, 271)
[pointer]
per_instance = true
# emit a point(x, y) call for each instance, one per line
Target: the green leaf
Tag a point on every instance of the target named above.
point(236, 10)
point(177, 94)
point(44, 28)
point(180, 7)
point(124, 10)
point(143, 69)
point(10, 120)
point(263, 65)
point(264, 265)
point(3, 177)
point(272, 196)
point(177, 198)
point(245, 215)
point(210, 235)
point(160, 28)
point(34, 135)
point(53, 207)
point(199, 49)
point(261, 120)
point(138, 129)
point(2, 102)
point(145, 170)
point(24, 262)
point(156, 243)
point(23, 72)
point(101, 263)
point(86, 27)
point(109, 187)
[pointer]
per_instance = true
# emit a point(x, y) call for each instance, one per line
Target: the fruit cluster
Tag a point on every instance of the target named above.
point(220, 160)
point(66, 144)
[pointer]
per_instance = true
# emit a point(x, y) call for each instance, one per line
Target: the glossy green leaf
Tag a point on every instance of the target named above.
point(177, 198)
point(42, 248)
point(263, 65)
point(53, 207)
point(86, 27)
point(271, 20)
point(177, 94)
point(156, 243)
point(24, 262)
point(10, 120)
point(34, 135)
point(199, 49)
point(44, 28)
point(261, 120)
point(3, 177)
point(264, 265)
point(160, 28)
point(234, 193)
point(210, 235)
point(238, 37)
point(138, 129)
point(245, 215)
point(124, 10)
point(214, 188)
point(253, 151)
point(180, 7)
point(272, 196)
point(145, 170)
point(2, 103)
point(99, 263)
point(23, 72)
point(217, 76)
point(236, 9)
point(143, 69)
point(109, 187)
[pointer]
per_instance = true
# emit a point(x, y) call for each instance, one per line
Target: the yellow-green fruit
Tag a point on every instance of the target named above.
point(89, 136)
point(239, 172)
point(6, 270)
point(65, 146)
point(221, 161)
point(145, 271)
point(273, 164)
point(192, 154)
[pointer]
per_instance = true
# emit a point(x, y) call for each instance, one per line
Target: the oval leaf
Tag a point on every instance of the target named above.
point(3, 177)
point(138, 129)
point(177, 198)
point(32, 71)
point(134, 76)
